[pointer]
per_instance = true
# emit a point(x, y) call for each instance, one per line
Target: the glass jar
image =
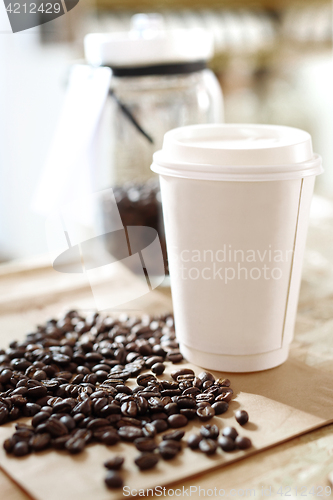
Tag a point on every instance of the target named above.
point(160, 81)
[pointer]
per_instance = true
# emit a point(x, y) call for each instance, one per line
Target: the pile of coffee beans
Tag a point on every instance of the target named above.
point(70, 377)
point(139, 204)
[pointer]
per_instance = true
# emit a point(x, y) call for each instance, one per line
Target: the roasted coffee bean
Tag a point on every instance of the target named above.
point(243, 443)
point(114, 463)
point(193, 441)
point(176, 421)
point(220, 407)
point(189, 413)
point(174, 436)
point(21, 449)
point(242, 417)
point(160, 425)
point(129, 409)
point(225, 382)
point(5, 376)
point(226, 443)
point(53, 427)
point(145, 444)
point(113, 480)
point(174, 356)
point(110, 438)
point(205, 397)
point(75, 445)
point(68, 421)
point(161, 415)
point(146, 461)
point(158, 368)
point(205, 413)
point(171, 409)
point(9, 444)
point(31, 409)
point(185, 401)
point(230, 432)
point(169, 449)
point(145, 378)
point(208, 446)
point(204, 376)
point(225, 396)
point(39, 418)
point(40, 442)
point(209, 431)
point(130, 433)
point(60, 442)
point(149, 430)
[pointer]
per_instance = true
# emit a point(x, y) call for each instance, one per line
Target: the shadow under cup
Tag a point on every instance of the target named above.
point(236, 202)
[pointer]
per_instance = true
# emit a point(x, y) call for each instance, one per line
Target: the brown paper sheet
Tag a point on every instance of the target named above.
point(282, 403)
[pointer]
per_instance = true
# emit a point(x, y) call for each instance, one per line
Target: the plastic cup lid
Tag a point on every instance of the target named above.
point(237, 152)
point(148, 47)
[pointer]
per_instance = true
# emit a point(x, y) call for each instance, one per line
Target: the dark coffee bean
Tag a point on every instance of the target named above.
point(205, 397)
point(68, 421)
point(154, 360)
point(23, 435)
point(31, 409)
point(207, 384)
point(161, 415)
point(145, 378)
point(204, 376)
point(149, 430)
point(225, 396)
point(185, 401)
point(113, 480)
point(193, 441)
point(174, 436)
point(205, 413)
point(160, 425)
point(9, 444)
point(60, 442)
point(114, 463)
point(174, 357)
point(230, 432)
point(53, 427)
point(220, 407)
point(129, 433)
point(21, 449)
point(208, 446)
point(75, 445)
point(189, 413)
point(191, 391)
point(171, 409)
point(158, 368)
point(243, 443)
point(242, 417)
point(209, 431)
point(182, 371)
point(129, 409)
point(227, 443)
point(145, 444)
point(225, 382)
point(110, 438)
point(146, 461)
point(5, 376)
point(169, 449)
point(176, 421)
point(40, 442)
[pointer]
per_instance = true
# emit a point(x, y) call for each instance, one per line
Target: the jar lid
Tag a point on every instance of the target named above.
point(237, 152)
point(139, 48)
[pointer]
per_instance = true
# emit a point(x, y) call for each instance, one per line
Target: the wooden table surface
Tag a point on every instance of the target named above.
point(30, 292)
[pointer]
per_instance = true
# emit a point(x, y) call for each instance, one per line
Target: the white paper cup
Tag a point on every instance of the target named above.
point(236, 200)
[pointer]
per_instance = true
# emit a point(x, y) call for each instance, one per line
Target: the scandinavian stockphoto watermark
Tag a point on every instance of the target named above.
point(228, 263)
point(217, 492)
point(25, 14)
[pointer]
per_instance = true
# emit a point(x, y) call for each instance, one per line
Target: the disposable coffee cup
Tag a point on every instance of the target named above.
point(236, 202)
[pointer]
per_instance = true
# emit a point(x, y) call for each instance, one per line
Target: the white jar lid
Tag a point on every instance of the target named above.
point(241, 152)
point(135, 48)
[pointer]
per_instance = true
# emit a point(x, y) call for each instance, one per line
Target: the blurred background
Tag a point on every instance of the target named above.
point(272, 58)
